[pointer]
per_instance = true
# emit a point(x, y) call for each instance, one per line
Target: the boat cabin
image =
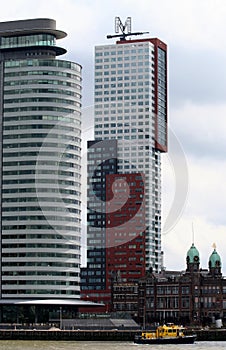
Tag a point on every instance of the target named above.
point(166, 331)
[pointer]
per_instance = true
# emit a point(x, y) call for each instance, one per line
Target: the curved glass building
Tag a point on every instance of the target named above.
point(40, 140)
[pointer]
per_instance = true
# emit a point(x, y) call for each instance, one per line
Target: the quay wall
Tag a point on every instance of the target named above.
point(92, 335)
point(72, 335)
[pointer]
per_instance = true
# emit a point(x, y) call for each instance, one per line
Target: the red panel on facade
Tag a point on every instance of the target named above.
point(125, 227)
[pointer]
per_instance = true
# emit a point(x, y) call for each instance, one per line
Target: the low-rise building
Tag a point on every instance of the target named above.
point(194, 296)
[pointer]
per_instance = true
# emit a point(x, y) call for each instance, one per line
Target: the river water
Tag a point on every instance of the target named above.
point(81, 345)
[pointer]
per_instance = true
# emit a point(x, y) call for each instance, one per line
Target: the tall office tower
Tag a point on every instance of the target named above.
point(40, 138)
point(130, 107)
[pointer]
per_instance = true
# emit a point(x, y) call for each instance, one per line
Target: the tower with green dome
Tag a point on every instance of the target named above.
point(193, 258)
point(215, 263)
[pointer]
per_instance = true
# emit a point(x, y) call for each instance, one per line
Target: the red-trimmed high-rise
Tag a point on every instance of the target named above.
point(124, 164)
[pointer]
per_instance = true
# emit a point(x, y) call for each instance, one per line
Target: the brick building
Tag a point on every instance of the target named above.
point(194, 296)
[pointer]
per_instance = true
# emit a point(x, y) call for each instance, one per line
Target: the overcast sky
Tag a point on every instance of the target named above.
point(194, 31)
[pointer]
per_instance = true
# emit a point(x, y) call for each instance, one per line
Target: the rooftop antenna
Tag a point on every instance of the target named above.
point(120, 27)
point(193, 234)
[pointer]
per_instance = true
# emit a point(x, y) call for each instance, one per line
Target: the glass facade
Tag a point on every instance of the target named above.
point(41, 172)
point(162, 98)
point(27, 40)
point(102, 160)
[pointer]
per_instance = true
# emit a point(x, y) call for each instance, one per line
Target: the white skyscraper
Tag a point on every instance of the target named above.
point(130, 108)
point(40, 140)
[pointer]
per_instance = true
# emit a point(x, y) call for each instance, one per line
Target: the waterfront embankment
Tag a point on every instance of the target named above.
point(95, 335)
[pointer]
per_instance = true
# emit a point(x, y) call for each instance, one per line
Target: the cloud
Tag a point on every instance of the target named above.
point(195, 34)
point(201, 129)
point(200, 132)
point(196, 76)
point(177, 243)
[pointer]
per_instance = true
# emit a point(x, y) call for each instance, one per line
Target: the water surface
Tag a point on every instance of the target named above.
point(103, 345)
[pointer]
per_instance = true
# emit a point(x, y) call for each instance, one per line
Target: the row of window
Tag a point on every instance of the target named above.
point(27, 40)
point(27, 73)
point(40, 190)
point(41, 99)
point(126, 91)
point(42, 91)
point(40, 218)
point(139, 60)
point(124, 77)
point(41, 153)
point(121, 98)
point(127, 131)
point(41, 200)
point(39, 264)
point(65, 228)
point(40, 273)
point(118, 56)
point(121, 131)
point(43, 282)
point(41, 136)
point(122, 72)
point(36, 254)
point(40, 144)
point(43, 63)
point(52, 236)
point(31, 118)
point(27, 291)
point(42, 126)
point(135, 48)
point(184, 290)
point(40, 108)
point(41, 163)
point(128, 107)
point(39, 245)
point(40, 81)
point(40, 172)
point(42, 208)
point(104, 117)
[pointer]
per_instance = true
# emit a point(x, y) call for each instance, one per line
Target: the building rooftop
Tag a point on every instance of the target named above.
point(31, 26)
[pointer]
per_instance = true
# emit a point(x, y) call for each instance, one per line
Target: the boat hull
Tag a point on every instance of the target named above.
point(189, 339)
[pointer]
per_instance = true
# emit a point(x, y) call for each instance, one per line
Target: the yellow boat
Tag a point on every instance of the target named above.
point(166, 334)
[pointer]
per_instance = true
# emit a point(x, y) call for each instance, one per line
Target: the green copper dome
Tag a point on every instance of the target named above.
point(215, 260)
point(192, 254)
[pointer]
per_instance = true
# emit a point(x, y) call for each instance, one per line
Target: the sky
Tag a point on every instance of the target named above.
point(193, 176)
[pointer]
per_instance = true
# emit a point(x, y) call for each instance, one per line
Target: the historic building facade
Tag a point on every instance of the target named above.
point(194, 296)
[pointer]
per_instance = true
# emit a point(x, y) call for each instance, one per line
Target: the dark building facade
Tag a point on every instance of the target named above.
point(116, 216)
point(101, 161)
point(194, 296)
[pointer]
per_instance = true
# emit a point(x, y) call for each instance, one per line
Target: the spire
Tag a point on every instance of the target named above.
point(193, 234)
